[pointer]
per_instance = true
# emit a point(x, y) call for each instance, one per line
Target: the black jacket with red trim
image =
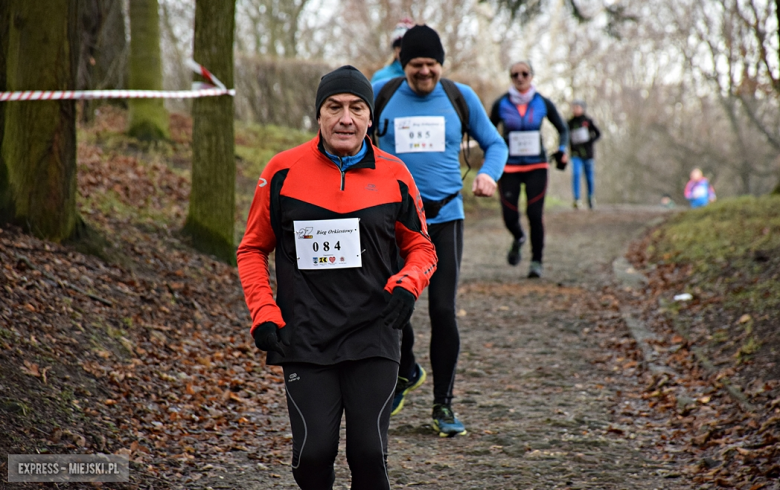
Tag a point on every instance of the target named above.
point(334, 314)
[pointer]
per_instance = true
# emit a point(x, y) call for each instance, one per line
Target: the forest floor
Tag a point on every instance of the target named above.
point(592, 377)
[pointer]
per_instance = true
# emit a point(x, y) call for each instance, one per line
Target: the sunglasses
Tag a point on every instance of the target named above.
point(518, 74)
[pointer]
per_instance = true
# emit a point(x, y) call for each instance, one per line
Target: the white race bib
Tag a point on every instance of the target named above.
point(580, 135)
point(418, 134)
point(699, 191)
point(328, 244)
point(524, 143)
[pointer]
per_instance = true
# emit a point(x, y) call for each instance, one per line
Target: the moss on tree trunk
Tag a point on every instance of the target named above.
point(5, 197)
point(39, 137)
point(211, 217)
point(148, 117)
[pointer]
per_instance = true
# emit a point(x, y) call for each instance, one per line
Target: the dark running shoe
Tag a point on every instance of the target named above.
point(445, 423)
point(403, 386)
point(513, 257)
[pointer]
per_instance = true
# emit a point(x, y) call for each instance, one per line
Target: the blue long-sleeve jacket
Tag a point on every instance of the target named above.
point(438, 174)
point(392, 70)
point(540, 107)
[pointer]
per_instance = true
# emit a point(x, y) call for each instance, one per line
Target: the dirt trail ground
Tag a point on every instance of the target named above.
point(547, 399)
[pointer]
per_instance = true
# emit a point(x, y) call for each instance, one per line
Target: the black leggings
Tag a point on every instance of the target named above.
point(316, 398)
point(535, 188)
point(445, 340)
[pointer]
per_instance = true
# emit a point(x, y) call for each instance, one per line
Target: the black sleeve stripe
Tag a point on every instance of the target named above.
point(277, 181)
point(408, 214)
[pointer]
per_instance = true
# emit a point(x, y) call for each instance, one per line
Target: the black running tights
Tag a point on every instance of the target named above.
point(317, 396)
point(535, 188)
point(445, 340)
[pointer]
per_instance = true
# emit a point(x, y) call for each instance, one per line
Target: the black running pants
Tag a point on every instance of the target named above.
point(535, 189)
point(316, 398)
point(445, 340)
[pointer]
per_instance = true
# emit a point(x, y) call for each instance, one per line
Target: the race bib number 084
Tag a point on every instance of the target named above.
point(328, 244)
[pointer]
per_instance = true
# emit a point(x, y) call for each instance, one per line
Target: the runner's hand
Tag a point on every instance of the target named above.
point(484, 186)
point(400, 308)
point(268, 337)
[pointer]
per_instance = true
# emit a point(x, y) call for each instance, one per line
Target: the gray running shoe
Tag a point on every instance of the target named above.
point(535, 270)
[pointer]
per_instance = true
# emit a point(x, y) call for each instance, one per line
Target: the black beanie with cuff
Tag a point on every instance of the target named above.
point(421, 42)
point(344, 80)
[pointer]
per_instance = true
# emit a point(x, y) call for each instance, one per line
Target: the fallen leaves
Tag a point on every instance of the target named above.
point(32, 369)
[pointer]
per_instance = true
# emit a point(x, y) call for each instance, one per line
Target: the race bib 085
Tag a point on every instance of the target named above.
point(328, 244)
point(417, 134)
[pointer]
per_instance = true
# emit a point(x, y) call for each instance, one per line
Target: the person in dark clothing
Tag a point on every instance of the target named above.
point(340, 214)
point(583, 133)
point(521, 111)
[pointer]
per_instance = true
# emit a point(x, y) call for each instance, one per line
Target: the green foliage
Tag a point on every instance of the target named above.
point(256, 145)
point(733, 247)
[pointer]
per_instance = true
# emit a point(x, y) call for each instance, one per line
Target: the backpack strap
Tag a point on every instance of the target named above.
point(462, 108)
point(384, 95)
point(458, 102)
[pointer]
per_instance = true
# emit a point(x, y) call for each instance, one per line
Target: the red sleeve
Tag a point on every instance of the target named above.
point(252, 255)
point(411, 234)
point(688, 189)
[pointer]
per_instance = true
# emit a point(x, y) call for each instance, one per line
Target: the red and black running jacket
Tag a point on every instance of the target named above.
point(334, 314)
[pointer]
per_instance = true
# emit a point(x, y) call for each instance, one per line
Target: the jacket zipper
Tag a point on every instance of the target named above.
point(341, 169)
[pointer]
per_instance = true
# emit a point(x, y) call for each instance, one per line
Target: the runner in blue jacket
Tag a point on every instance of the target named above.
point(421, 126)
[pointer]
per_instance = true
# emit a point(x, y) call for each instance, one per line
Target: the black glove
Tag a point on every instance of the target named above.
point(269, 337)
point(399, 309)
point(559, 163)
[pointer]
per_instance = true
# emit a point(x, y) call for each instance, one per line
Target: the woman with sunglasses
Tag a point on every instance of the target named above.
point(521, 111)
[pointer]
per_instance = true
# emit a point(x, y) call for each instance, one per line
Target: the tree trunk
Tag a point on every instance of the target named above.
point(39, 143)
point(5, 198)
point(148, 117)
point(112, 51)
point(211, 217)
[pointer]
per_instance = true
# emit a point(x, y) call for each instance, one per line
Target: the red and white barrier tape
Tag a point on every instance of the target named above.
point(198, 90)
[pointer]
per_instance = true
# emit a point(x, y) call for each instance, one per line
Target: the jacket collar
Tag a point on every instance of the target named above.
point(368, 161)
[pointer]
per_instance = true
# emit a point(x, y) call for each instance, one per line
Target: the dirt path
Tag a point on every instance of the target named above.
point(545, 398)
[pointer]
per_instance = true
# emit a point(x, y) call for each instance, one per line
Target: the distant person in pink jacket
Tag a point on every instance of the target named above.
point(698, 190)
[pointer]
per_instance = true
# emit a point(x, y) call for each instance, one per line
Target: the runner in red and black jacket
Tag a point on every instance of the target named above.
point(334, 314)
point(340, 215)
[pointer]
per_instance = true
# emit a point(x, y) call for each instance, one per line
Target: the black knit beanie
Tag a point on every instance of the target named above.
point(345, 80)
point(421, 42)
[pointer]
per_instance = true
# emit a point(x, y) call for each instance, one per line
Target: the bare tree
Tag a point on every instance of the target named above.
point(148, 117)
point(212, 209)
point(39, 140)
point(270, 27)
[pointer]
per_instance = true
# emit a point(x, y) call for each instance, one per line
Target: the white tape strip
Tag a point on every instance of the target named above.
point(199, 89)
point(113, 94)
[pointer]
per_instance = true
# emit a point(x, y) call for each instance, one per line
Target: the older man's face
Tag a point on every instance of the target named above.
point(423, 74)
point(344, 121)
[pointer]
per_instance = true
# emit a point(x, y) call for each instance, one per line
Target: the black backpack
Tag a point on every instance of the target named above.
point(453, 93)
